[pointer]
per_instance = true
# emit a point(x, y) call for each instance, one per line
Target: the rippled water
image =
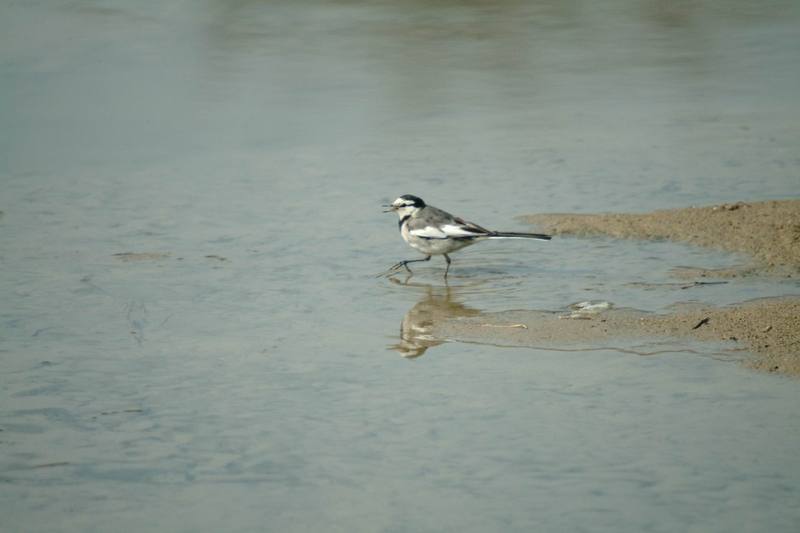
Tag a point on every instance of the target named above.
point(191, 333)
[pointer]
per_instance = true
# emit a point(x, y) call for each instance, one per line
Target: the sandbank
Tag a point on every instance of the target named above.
point(769, 329)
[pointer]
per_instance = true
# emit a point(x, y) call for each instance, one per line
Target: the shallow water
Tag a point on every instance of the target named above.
point(238, 374)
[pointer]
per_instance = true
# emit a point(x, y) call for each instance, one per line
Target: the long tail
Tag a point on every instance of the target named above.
point(517, 235)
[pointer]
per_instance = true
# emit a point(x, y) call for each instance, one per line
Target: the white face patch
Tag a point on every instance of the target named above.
point(404, 207)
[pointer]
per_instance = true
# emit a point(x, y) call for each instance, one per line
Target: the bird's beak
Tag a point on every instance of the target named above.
point(391, 208)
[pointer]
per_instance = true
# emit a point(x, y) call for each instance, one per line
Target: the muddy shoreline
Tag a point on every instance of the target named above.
point(768, 232)
point(768, 328)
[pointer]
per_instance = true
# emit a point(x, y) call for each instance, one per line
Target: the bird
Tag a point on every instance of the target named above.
point(432, 231)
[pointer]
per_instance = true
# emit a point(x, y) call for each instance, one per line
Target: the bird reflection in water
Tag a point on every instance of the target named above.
point(417, 328)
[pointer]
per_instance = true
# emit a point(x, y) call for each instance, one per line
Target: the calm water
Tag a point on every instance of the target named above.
point(238, 376)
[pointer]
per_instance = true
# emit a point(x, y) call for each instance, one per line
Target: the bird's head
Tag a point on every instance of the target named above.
point(407, 204)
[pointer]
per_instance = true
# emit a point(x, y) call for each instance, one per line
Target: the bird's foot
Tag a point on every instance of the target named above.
point(394, 269)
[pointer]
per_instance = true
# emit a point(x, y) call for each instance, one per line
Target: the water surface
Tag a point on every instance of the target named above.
point(235, 372)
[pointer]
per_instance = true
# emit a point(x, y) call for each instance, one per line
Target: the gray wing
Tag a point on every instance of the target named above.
point(433, 223)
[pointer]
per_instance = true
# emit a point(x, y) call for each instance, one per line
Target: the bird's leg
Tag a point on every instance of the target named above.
point(446, 270)
point(404, 264)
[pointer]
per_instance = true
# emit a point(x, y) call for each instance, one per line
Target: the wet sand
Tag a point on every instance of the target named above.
point(768, 328)
point(769, 232)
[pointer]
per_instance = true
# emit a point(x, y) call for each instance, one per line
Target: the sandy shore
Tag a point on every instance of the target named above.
point(768, 328)
point(769, 232)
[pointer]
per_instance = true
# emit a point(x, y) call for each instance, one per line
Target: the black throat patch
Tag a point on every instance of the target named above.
point(401, 221)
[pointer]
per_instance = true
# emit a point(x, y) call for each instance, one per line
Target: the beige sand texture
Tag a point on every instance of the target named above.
point(768, 328)
point(769, 232)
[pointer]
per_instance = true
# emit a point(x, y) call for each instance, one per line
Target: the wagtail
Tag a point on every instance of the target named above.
point(432, 231)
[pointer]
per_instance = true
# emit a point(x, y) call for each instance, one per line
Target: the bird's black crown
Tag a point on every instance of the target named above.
point(416, 200)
